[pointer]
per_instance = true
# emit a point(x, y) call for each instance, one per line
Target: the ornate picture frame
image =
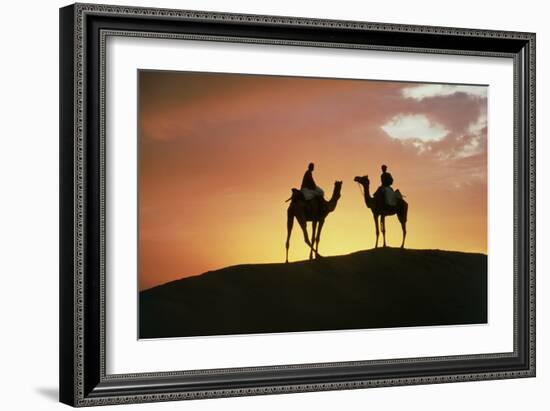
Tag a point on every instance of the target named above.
point(84, 30)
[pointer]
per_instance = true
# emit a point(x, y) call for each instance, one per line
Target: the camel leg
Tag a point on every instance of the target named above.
point(289, 224)
point(313, 232)
point(377, 230)
point(404, 228)
point(383, 223)
point(317, 255)
point(403, 220)
point(303, 226)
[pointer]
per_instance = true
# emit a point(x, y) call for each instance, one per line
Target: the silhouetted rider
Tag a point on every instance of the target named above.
point(309, 188)
point(390, 198)
point(308, 181)
point(386, 178)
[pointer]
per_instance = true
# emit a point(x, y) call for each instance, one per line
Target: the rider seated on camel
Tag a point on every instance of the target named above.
point(390, 197)
point(309, 189)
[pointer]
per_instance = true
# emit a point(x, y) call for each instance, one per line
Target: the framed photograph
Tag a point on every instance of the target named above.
point(262, 204)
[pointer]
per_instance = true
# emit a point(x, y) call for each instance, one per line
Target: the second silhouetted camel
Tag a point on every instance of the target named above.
point(380, 209)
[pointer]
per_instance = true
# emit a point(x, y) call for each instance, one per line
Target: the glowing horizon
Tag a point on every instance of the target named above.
point(219, 153)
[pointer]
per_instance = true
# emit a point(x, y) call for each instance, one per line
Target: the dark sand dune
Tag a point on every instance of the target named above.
point(369, 289)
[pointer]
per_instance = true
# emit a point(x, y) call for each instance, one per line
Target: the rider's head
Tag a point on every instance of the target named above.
point(384, 168)
point(311, 166)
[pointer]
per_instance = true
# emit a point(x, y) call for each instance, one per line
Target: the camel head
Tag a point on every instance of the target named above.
point(337, 189)
point(336, 194)
point(362, 180)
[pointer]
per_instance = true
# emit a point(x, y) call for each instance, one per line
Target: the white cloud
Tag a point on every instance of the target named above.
point(414, 127)
point(422, 91)
point(473, 146)
point(478, 125)
point(469, 149)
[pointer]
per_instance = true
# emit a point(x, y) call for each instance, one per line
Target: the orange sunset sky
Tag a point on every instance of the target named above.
point(219, 154)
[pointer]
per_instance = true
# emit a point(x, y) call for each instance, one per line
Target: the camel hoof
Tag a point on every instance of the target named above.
point(318, 256)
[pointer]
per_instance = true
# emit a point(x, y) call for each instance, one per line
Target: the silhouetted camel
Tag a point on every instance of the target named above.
point(380, 209)
point(316, 211)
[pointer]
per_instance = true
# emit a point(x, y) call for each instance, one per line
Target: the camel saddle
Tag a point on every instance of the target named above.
point(312, 204)
point(389, 197)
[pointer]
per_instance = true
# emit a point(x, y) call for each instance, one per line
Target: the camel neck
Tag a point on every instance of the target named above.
point(333, 201)
point(368, 198)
